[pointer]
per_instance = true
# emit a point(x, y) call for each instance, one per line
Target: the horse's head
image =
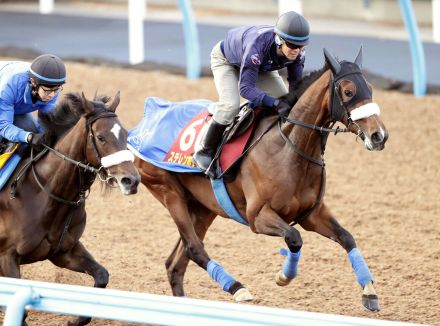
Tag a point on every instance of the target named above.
point(107, 144)
point(350, 101)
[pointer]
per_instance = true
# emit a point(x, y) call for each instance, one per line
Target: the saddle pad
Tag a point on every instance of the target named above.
point(169, 133)
point(160, 137)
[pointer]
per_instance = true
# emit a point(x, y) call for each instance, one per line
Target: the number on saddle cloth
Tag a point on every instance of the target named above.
point(10, 156)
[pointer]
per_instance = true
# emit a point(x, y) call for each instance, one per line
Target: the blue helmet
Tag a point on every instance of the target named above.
point(48, 69)
point(293, 28)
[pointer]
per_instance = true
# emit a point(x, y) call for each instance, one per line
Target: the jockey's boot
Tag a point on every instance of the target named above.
point(208, 147)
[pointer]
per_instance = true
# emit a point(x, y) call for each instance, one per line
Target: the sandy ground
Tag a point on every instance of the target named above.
point(388, 200)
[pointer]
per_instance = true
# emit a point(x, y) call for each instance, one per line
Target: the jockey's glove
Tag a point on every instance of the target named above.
point(35, 140)
point(283, 107)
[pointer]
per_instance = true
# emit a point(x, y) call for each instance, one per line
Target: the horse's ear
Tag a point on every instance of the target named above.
point(358, 59)
point(87, 105)
point(115, 103)
point(335, 66)
point(96, 95)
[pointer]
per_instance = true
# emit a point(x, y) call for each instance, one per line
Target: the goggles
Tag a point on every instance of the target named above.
point(290, 45)
point(48, 91)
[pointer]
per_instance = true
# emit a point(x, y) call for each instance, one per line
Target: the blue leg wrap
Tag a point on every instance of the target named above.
point(360, 268)
point(218, 274)
point(290, 266)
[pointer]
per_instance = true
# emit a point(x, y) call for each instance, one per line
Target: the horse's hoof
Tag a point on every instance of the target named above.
point(243, 295)
point(281, 279)
point(371, 302)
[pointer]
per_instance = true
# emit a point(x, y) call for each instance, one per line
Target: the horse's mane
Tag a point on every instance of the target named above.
point(65, 115)
point(308, 80)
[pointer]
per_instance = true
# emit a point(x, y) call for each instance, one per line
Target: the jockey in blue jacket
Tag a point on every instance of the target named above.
point(246, 64)
point(25, 88)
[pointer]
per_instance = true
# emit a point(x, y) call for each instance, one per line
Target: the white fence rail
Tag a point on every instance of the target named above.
point(17, 295)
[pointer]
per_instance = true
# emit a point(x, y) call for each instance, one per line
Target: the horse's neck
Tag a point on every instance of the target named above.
point(312, 105)
point(72, 144)
point(61, 176)
point(311, 108)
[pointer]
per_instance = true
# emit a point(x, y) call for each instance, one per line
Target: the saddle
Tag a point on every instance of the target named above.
point(242, 121)
point(234, 141)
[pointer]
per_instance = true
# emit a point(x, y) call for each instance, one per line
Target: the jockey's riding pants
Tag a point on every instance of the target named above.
point(226, 78)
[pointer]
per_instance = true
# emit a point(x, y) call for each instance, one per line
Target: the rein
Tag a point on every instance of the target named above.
point(324, 132)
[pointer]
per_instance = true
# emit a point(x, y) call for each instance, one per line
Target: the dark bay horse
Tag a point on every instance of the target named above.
point(280, 182)
point(46, 216)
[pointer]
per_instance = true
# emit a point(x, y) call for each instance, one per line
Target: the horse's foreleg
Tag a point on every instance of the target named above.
point(325, 224)
point(78, 259)
point(177, 262)
point(268, 222)
point(9, 266)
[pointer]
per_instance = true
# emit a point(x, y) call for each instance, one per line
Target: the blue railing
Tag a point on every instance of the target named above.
point(17, 295)
point(192, 46)
point(416, 47)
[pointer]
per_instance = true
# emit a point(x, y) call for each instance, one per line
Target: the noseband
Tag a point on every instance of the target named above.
point(101, 171)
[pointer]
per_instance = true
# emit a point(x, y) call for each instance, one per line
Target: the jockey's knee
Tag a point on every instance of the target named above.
point(226, 112)
point(293, 240)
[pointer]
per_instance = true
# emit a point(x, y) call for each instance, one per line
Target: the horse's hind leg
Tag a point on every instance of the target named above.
point(325, 224)
point(78, 259)
point(177, 262)
point(168, 190)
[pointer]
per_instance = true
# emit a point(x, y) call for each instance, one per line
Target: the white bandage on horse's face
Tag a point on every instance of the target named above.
point(117, 158)
point(365, 111)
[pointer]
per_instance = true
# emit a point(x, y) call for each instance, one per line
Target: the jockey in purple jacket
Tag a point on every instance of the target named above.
point(246, 64)
point(25, 88)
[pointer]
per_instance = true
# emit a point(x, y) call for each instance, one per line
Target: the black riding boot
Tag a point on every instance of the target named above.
point(204, 156)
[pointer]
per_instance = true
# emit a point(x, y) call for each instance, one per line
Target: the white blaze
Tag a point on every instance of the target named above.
point(116, 130)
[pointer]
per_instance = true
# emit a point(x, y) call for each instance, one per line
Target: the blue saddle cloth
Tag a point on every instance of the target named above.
point(168, 127)
point(161, 124)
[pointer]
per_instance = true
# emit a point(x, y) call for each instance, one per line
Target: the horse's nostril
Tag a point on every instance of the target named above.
point(377, 138)
point(126, 181)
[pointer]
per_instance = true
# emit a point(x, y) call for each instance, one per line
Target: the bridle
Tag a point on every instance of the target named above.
point(338, 110)
point(84, 181)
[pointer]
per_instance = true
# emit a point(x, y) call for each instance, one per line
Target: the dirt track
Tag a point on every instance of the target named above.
point(388, 200)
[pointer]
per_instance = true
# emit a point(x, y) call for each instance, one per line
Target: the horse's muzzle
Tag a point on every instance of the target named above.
point(128, 184)
point(376, 141)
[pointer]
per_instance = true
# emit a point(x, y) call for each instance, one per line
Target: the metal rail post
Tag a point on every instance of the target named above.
point(136, 14)
point(416, 47)
point(192, 46)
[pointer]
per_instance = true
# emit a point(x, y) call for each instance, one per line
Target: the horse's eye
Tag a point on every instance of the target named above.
point(100, 138)
point(348, 93)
